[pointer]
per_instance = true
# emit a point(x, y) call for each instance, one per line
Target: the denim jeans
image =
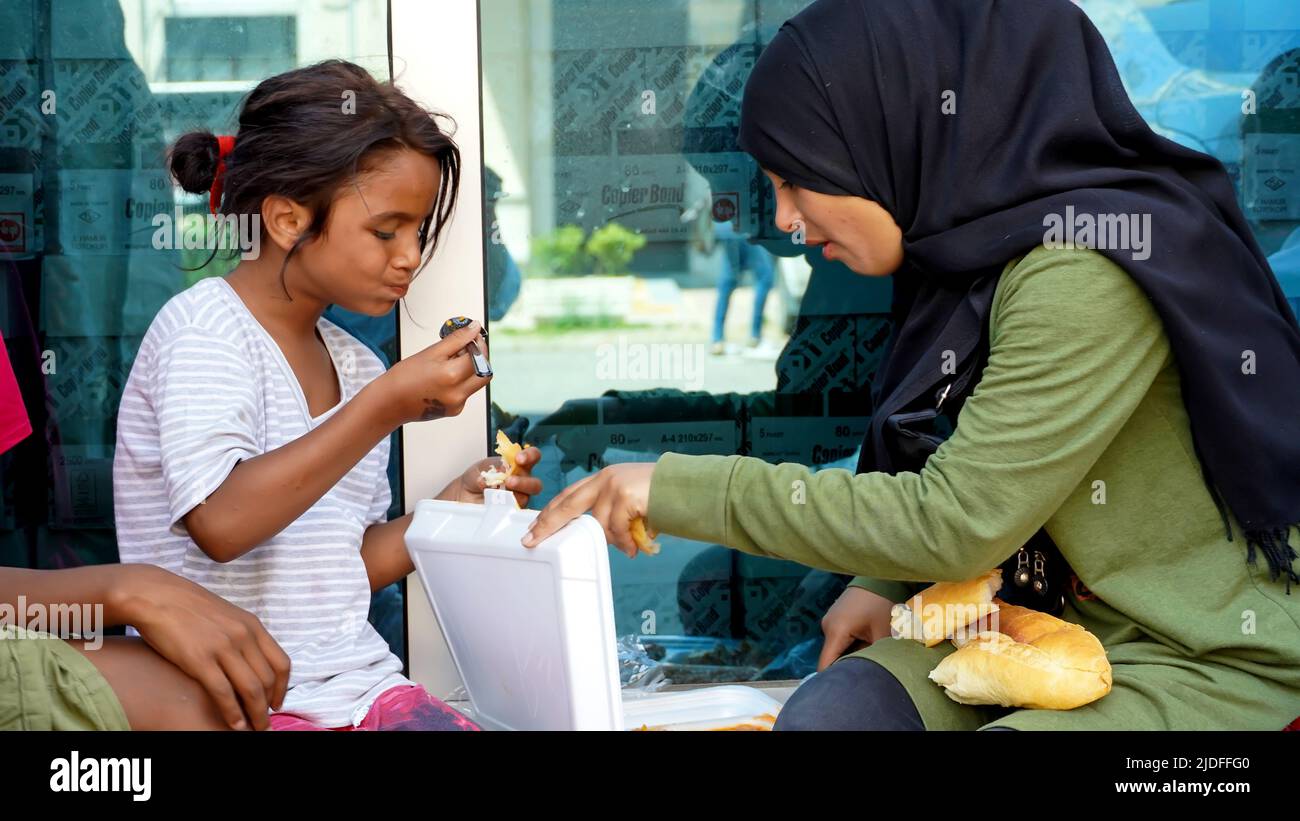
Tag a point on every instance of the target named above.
point(737, 255)
point(851, 694)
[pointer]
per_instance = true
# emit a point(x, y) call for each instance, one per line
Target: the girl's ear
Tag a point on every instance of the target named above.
point(284, 220)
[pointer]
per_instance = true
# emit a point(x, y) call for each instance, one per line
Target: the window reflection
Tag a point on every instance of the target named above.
point(618, 117)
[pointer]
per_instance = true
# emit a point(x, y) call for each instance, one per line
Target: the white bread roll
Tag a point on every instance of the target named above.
point(943, 610)
point(1034, 660)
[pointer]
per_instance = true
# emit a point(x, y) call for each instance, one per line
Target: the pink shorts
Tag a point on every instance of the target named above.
point(408, 707)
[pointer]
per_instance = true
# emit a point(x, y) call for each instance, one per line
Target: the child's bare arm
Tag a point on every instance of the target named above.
point(48, 589)
point(202, 663)
point(263, 495)
point(383, 549)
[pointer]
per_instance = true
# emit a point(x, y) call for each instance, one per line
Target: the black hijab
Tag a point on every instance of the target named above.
point(847, 100)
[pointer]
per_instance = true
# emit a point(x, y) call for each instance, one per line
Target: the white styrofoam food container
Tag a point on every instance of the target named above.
point(531, 631)
point(726, 707)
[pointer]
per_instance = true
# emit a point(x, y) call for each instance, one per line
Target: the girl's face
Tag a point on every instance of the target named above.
point(369, 251)
point(851, 230)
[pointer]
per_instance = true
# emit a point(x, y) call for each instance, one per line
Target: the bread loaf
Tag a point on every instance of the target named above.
point(1033, 660)
point(943, 610)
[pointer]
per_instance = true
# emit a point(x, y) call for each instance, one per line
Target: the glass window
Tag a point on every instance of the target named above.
point(643, 302)
point(253, 48)
point(91, 93)
point(1223, 77)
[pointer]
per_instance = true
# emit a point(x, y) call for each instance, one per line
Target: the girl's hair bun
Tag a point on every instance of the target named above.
point(193, 160)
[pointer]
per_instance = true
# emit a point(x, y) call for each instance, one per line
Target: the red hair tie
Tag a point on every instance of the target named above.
point(225, 144)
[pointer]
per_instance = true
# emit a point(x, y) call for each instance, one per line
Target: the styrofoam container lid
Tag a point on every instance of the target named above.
point(531, 631)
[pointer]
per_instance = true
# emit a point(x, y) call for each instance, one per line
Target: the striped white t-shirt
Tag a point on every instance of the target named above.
point(209, 388)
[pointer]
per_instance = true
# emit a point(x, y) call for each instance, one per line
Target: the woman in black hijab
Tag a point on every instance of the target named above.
point(1131, 396)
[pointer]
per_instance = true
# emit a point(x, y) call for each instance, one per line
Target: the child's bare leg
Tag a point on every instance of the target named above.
point(155, 694)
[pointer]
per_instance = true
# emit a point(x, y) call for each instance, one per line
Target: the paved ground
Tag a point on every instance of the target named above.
point(537, 372)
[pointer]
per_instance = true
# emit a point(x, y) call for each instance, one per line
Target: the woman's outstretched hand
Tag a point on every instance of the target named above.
point(614, 496)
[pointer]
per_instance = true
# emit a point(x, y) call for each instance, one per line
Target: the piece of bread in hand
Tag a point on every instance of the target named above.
point(942, 610)
point(508, 450)
point(493, 477)
point(1033, 660)
point(643, 538)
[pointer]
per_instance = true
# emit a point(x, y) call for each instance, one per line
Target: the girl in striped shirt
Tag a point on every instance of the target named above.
point(253, 435)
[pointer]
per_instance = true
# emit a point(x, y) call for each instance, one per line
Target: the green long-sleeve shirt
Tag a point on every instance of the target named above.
point(1078, 425)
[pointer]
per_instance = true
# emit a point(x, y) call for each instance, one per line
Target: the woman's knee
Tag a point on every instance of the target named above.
point(851, 694)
